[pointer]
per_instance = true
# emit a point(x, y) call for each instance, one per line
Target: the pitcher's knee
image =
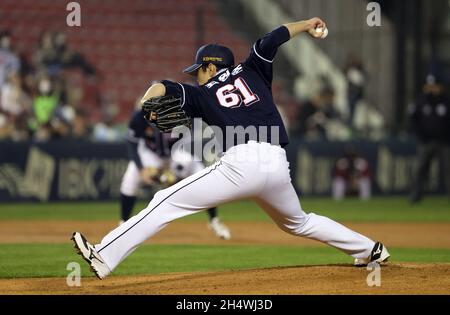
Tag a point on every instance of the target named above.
point(159, 197)
point(295, 226)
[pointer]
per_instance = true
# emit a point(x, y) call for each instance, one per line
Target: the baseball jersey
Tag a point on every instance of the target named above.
point(240, 96)
point(430, 118)
point(155, 140)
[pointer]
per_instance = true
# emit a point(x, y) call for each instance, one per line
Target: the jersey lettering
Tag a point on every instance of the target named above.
point(211, 84)
point(237, 70)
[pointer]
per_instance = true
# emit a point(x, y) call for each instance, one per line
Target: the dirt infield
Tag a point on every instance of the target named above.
point(405, 278)
point(418, 235)
point(333, 279)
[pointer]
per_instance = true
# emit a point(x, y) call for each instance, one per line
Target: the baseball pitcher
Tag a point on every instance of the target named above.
point(253, 165)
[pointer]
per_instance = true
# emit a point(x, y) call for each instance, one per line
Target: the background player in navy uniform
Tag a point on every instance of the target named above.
point(149, 152)
point(254, 167)
point(429, 118)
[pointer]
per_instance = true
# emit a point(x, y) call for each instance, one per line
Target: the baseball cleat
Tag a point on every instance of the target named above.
point(379, 254)
point(88, 252)
point(220, 229)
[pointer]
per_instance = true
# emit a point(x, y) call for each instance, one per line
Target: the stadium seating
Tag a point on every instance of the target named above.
point(130, 43)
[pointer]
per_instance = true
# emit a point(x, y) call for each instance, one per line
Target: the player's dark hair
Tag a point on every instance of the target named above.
point(219, 67)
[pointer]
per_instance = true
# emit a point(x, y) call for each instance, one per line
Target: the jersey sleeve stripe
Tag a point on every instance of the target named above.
point(266, 60)
point(184, 95)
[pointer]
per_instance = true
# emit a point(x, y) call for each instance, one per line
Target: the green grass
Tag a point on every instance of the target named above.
point(50, 260)
point(392, 209)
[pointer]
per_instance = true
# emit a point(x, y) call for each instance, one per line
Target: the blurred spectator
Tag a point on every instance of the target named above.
point(317, 114)
point(351, 176)
point(6, 127)
point(46, 56)
point(9, 62)
point(81, 125)
point(16, 107)
point(39, 99)
point(27, 75)
point(106, 130)
point(53, 55)
point(69, 58)
point(368, 122)
point(356, 80)
point(430, 121)
point(288, 109)
point(46, 101)
point(14, 101)
point(44, 107)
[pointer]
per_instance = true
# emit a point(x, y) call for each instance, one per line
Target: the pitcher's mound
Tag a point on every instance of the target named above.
point(405, 278)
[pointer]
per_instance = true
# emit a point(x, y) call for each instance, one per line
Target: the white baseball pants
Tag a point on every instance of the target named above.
point(258, 171)
point(132, 178)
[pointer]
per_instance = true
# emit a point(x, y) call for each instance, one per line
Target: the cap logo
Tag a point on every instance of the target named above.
point(212, 59)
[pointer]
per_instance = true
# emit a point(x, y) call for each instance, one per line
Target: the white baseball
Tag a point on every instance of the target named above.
point(324, 33)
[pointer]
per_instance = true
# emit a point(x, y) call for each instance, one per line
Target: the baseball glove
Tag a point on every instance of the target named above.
point(167, 178)
point(149, 175)
point(165, 112)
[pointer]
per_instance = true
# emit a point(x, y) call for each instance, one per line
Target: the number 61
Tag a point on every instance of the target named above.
point(228, 97)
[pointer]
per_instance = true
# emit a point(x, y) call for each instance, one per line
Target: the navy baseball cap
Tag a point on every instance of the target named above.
point(436, 74)
point(213, 53)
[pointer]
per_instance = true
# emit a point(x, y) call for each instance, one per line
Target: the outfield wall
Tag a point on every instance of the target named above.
point(62, 170)
point(81, 170)
point(392, 164)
